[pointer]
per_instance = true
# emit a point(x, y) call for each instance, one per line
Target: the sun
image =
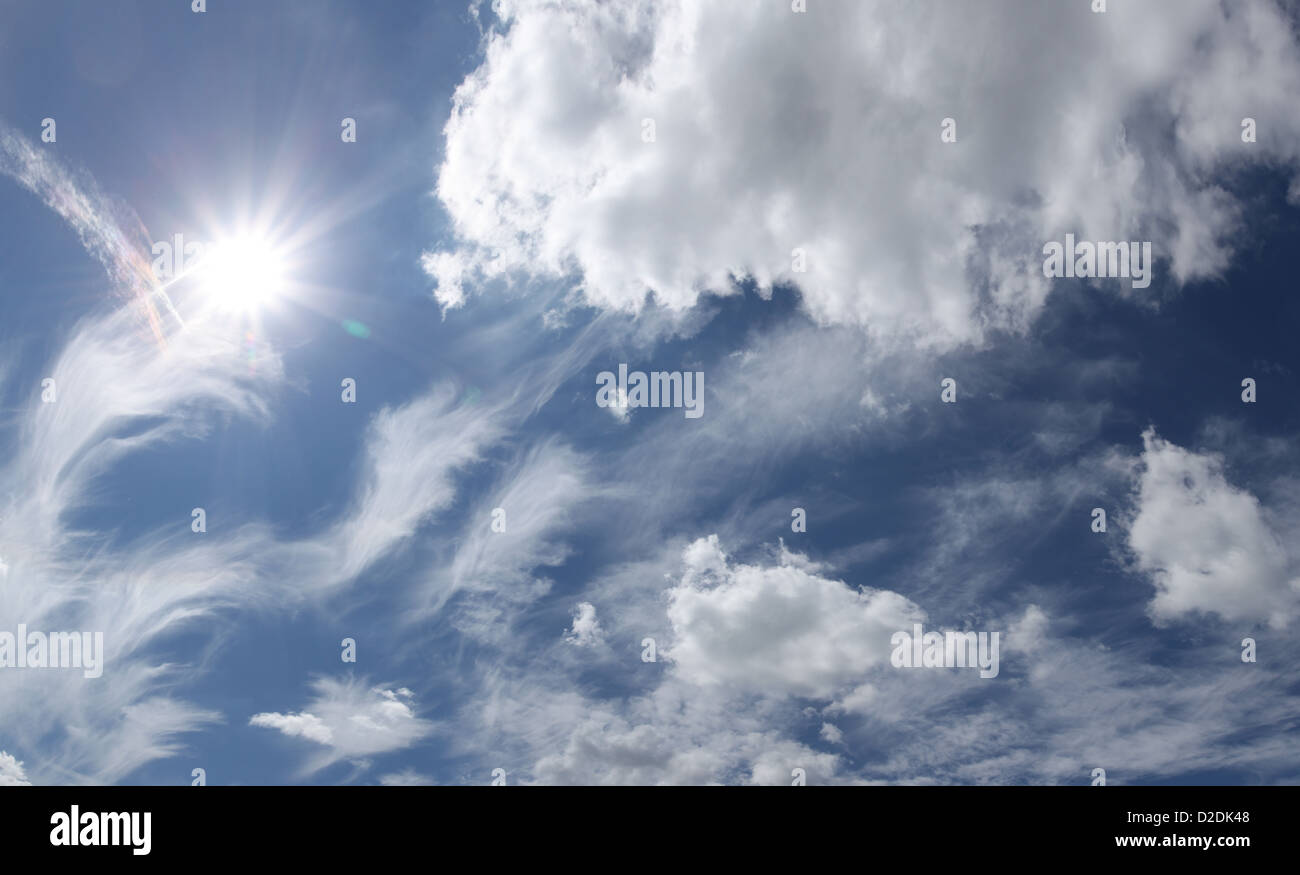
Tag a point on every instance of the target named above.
point(240, 274)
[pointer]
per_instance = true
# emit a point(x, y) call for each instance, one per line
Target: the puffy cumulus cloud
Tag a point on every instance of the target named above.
point(585, 631)
point(352, 720)
point(304, 725)
point(1067, 700)
point(1207, 545)
point(821, 131)
point(777, 630)
point(11, 771)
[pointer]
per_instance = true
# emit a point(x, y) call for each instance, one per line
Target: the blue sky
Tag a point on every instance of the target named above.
point(500, 232)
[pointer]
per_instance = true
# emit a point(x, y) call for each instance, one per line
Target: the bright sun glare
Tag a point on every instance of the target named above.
point(240, 274)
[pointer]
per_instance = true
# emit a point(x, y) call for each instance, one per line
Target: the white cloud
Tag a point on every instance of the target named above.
point(860, 699)
point(352, 720)
point(412, 455)
point(585, 631)
point(304, 725)
point(11, 771)
point(406, 778)
point(118, 392)
point(117, 244)
point(122, 391)
point(821, 131)
point(1207, 545)
point(777, 630)
point(543, 493)
point(1029, 633)
point(668, 737)
point(1064, 704)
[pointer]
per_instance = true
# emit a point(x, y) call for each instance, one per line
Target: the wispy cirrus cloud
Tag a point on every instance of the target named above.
point(117, 396)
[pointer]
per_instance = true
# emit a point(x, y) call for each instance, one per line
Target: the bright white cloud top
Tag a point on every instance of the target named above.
point(775, 131)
